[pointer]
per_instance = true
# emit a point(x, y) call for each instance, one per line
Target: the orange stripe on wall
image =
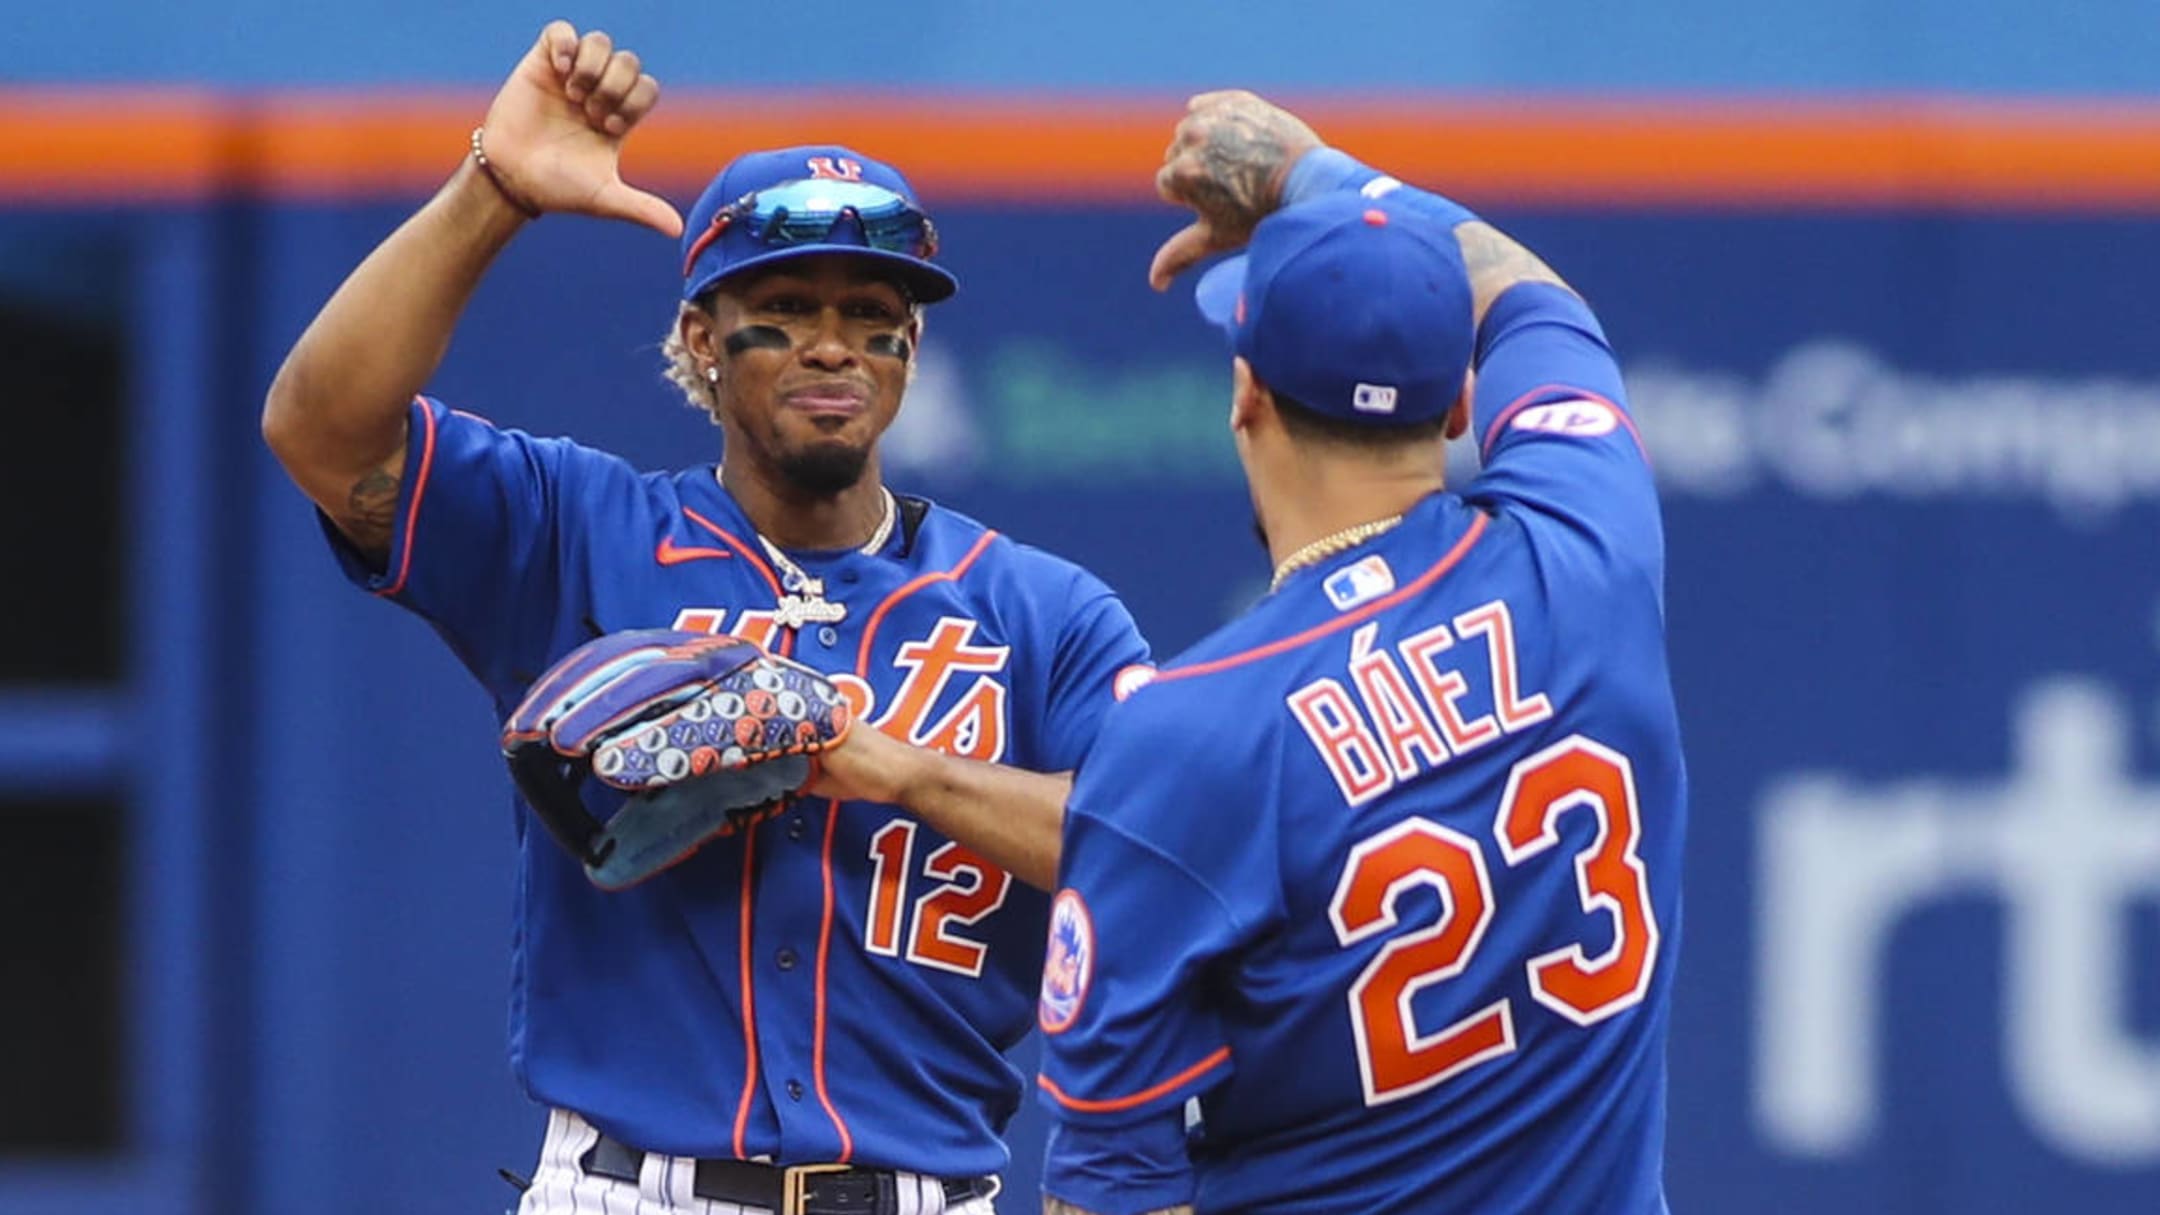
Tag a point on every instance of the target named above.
point(1890, 151)
point(61, 145)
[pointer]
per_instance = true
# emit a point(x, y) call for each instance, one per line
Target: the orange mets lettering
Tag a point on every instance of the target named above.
point(752, 626)
point(974, 727)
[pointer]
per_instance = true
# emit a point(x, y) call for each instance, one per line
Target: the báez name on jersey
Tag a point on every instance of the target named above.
point(1400, 712)
point(923, 711)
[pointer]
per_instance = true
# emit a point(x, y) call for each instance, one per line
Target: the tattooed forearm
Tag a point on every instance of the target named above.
point(370, 517)
point(1055, 1206)
point(1495, 263)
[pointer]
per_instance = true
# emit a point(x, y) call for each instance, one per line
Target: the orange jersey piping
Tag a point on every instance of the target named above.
point(1110, 1105)
point(1316, 632)
point(412, 509)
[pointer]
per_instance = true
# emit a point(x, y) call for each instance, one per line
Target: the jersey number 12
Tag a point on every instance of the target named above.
point(972, 889)
point(1394, 1058)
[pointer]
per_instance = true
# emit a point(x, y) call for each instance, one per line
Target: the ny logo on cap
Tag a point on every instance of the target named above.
point(1373, 398)
point(830, 169)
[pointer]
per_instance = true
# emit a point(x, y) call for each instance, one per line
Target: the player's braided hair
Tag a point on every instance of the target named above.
point(682, 367)
point(701, 393)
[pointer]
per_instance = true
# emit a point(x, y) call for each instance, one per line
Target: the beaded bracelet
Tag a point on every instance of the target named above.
point(479, 155)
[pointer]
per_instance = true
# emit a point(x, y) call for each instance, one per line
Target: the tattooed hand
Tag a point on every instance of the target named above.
point(1227, 161)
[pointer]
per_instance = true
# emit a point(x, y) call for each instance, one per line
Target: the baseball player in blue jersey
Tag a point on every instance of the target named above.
point(809, 1013)
point(1384, 873)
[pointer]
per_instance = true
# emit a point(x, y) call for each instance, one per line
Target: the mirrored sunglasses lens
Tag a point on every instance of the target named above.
point(807, 211)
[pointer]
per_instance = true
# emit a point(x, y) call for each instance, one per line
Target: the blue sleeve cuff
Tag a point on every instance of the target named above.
point(1123, 1170)
point(391, 578)
point(1324, 171)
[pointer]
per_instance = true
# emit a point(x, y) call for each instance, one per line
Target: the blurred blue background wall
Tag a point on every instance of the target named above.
point(2094, 46)
point(1910, 447)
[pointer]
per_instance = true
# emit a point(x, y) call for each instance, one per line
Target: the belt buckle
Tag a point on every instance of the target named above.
point(795, 1186)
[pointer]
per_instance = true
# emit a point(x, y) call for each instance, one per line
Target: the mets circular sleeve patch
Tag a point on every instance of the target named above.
point(1069, 964)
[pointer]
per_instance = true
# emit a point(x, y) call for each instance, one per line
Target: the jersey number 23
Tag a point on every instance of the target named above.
point(1395, 1058)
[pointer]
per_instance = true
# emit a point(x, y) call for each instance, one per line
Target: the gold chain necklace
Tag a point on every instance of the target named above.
point(804, 601)
point(1327, 546)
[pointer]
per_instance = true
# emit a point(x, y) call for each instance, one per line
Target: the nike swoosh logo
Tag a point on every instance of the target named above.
point(670, 554)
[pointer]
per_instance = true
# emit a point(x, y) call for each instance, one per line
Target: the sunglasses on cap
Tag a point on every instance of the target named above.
point(806, 213)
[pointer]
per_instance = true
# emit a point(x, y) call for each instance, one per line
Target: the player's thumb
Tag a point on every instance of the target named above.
point(1177, 255)
point(619, 201)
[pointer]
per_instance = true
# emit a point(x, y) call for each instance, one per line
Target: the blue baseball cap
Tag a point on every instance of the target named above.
point(766, 207)
point(1357, 308)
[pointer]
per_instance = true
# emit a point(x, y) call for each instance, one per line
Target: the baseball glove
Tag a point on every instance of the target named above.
point(696, 728)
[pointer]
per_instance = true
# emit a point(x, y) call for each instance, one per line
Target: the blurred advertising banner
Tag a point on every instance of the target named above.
point(1910, 449)
point(1912, 476)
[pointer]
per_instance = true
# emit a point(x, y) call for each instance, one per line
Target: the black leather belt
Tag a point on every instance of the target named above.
point(802, 1189)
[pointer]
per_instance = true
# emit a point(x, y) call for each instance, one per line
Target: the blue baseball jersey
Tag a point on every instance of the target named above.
point(1386, 873)
point(835, 982)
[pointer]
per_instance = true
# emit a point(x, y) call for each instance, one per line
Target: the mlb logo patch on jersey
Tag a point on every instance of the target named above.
point(1362, 582)
point(1068, 965)
point(1584, 419)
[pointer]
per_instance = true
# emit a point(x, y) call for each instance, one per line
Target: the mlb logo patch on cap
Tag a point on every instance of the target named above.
point(1373, 398)
point(1354, 306)
point(1362, 582)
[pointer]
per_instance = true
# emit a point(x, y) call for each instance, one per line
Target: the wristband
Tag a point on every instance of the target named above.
point(479, 155)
